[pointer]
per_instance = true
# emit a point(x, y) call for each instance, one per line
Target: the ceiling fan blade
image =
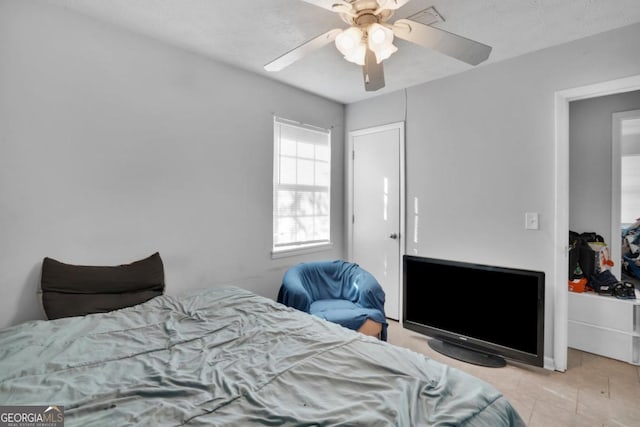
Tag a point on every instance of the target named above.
point(392, 4)
point(466, 50)
point(372, 72)
point(307, 47)
point(328, 4)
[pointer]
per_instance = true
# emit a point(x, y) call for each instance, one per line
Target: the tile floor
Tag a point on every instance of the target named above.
point(593, 391)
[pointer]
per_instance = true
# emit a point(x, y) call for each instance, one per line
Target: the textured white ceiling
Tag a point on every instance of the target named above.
point(250, 33)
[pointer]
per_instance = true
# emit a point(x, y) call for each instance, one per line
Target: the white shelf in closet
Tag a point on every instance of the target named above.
point(605, 325)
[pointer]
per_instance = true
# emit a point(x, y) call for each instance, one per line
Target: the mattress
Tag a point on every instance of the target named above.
point(224, 356)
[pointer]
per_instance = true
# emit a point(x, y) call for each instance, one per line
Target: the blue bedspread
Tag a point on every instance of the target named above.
point(227, 357)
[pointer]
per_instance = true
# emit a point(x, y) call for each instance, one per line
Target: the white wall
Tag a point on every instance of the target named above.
point(480, 150)
point(114, 146)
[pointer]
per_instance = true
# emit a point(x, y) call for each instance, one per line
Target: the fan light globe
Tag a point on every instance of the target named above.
point(350, 43)
point(376, 34)
point(380, 40)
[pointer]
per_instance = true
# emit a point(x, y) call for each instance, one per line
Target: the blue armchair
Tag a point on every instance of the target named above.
point(338, 291)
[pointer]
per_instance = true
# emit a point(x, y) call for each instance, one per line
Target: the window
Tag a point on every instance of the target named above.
point(301, 186)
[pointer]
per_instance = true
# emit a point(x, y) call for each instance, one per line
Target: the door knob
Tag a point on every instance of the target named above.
point(393, 236)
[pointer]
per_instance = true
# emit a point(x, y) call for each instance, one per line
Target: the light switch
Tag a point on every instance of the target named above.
point(531, 221)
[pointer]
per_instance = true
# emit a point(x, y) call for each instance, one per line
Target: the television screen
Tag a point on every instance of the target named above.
point(495, 310)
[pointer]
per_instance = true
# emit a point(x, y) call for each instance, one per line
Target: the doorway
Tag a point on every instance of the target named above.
point(561, 269)
point(625, 174)
point(376, 207)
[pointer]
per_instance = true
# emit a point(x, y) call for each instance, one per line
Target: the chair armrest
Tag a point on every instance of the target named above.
point(371, 293)
point(293, 293)
point(372, 296)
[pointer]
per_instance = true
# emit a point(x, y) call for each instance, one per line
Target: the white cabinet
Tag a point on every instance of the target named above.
point(605, 325)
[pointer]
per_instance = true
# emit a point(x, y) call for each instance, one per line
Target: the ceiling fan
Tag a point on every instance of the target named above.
point(369, 38)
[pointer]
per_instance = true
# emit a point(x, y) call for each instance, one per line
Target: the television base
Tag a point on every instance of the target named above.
point(468, 355)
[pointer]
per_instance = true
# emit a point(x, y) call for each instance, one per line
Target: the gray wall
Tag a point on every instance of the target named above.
point(590, 161)
point(480, 152)
point(114, 146)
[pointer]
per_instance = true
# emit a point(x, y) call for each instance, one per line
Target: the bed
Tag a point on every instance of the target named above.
point(224, 356)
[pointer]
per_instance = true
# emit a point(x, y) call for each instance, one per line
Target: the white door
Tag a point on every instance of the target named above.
point(376, 207)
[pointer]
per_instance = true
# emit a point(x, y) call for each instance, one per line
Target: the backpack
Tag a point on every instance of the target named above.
point(583, 259)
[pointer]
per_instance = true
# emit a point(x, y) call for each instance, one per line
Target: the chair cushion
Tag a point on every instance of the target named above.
point(325, 305)
point(342, 312)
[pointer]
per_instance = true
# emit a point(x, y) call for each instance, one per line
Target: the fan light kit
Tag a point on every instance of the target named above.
point(369, 38)
point(353, 43)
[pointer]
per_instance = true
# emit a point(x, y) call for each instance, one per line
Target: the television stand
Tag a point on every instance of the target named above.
point(468, 355)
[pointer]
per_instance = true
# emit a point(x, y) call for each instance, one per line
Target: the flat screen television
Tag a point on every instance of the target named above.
point(481, 314)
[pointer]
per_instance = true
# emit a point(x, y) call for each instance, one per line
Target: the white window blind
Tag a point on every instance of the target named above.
point(301, 186)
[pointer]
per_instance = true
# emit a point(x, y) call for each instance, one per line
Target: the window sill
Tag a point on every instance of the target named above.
point(301, 250)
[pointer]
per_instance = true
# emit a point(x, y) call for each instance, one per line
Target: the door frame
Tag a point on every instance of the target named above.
point(561, 246)
point(400, 126)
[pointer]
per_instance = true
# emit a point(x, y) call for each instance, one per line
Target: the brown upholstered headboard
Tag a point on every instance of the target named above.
point(76, 290)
